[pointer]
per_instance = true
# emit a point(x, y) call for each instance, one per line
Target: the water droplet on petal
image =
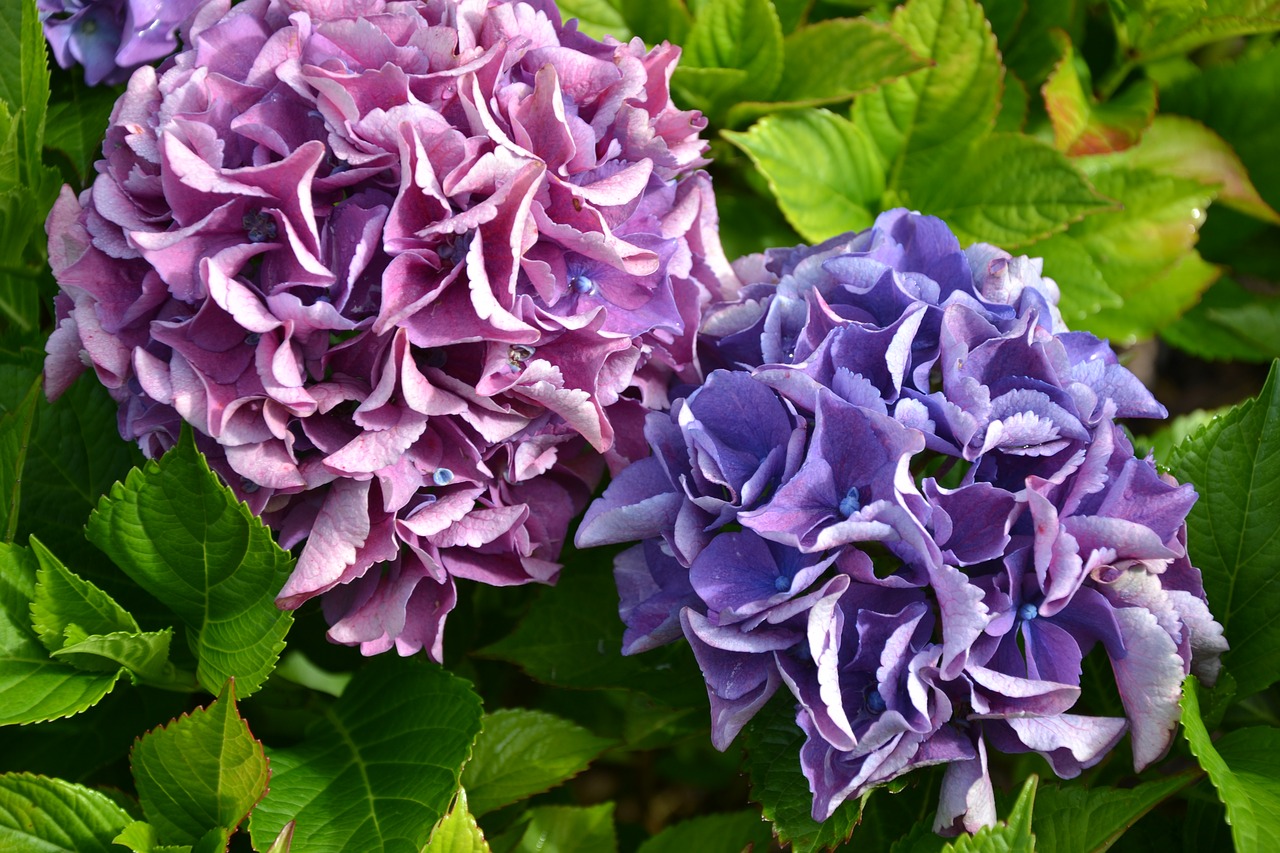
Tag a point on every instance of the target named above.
point(442, 477)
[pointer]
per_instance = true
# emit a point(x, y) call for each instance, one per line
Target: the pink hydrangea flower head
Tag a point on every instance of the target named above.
point(412, 271)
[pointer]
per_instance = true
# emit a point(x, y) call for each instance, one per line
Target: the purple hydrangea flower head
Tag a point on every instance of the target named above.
point(110, 38)
point(414, 272)
point(943, 522)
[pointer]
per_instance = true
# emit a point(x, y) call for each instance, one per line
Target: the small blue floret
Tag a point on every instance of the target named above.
point(851, 502)
point(442, 477)
point(782, 583)
point(1028, 611)
point(875, 702)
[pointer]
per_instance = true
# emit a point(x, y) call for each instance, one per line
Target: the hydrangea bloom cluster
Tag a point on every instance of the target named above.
point(408, 269)
point(904, 496)
point(110, 38)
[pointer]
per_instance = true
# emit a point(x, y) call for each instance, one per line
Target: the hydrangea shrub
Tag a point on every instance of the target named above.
point(409, 270)
point(903, 497)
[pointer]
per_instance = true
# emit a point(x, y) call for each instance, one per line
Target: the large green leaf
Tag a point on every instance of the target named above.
point(737, 34)
point(572, 637)
point(1167, 29)
point(42, 815)
point(824, 171)
point(1027, 31)
point(520, 753)
point(946, 106)
point(1242, 766)
point(1071, 818)
point(773, 743)
point(733, 832)
point(34, 688)
point(380, 769)
point(182, 536)
point(657, 20)
point(15, 435)
point(76, 124)
point(145, 654)
point(596, 18)
point(1229, 323)
point(1084, 290)
point(24, 81)
point(1233, 531)
point(1006, 189)
point(1241, 102)
point(1145, 247)
point(563, 829)
point(201, 772)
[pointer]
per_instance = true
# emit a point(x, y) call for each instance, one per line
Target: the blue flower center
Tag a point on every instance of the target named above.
point(851, 502)
point(442, 477)
point(782, 583)
point(1028, 611)
point(252, 339)
point(261, 227)
point(582, 284)
point(248, 486)
point(875, 702)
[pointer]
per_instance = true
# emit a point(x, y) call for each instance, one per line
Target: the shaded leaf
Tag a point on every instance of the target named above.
point(520, 753)
point(377, 772)
point(1070, 818)
point(834, 60)
point(1084, 290)
point(825, 173)
point(15, 435)
point(1233, 531)
point(717, 833)
point(564, 829)
point(182, 536)
point(737, 34)
point(657, 20)
point(1241, 766)
point(50, 815)
point(596, 18)
point(1166, 29)
point(76, 124)
point(145, 654)
point(200, 772)
point(1229, 323)
point(62, 599)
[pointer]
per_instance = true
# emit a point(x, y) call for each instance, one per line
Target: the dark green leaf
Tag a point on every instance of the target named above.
point(564, 829)
point(1070, 818)
point(657, 20)
point(144, 653)
point(1007, 189)
point(738, 34)
point(825, 173)
point(378, 772)
point(1014, 103)
point(1166, 29)
point(34, 688)
point(201, 772)
point(1229, 323)
point(182, 536)
point(718, 833)
point(945, 107)
point(572, 637)
point(458, 832)
point(15, 435)
point(63, 599)
point(1242, 766)
point(520, 753)
point(773, 743)
point(1026, 30)
point(1233, 531)
point(76, 124)
point(24, 81)
point(1162, 442)
point(50, 815)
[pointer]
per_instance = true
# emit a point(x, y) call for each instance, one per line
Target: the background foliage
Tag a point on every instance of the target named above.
point(147, 694)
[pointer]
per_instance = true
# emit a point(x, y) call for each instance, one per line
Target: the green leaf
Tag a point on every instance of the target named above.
point(24, 81)
point(49, 815)
point(1011, 836)
point(572, 637)
point(1082, 125)
point(657, 20)
point(718, 833)
point(944, 107)
point(1229, 323)
point(1074, 819)
point(1187, 149)
point(1026, 29)
point(563, 829)
point(1007, 189)
point(458, 832)
point(596, 18)
point(1014, 103)
point(15, 435)
point(1242, 766)
point(34, 688)
point(1163, 441)
point(182, 536)
point(141, 837)
point(200, 772)
point(76, 124)
point(63, 599)
point(707, 89)
point(825, 173)
point(145, 654)
point(1233, 531)
point(738, 34)
point(1084, 291)
point(378, 772)
point(834, 60)
point(1167, 29)
point(773, 743)
point(520, 753)
point(1144, 247)
point(1241, 102)
point(300, 669)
